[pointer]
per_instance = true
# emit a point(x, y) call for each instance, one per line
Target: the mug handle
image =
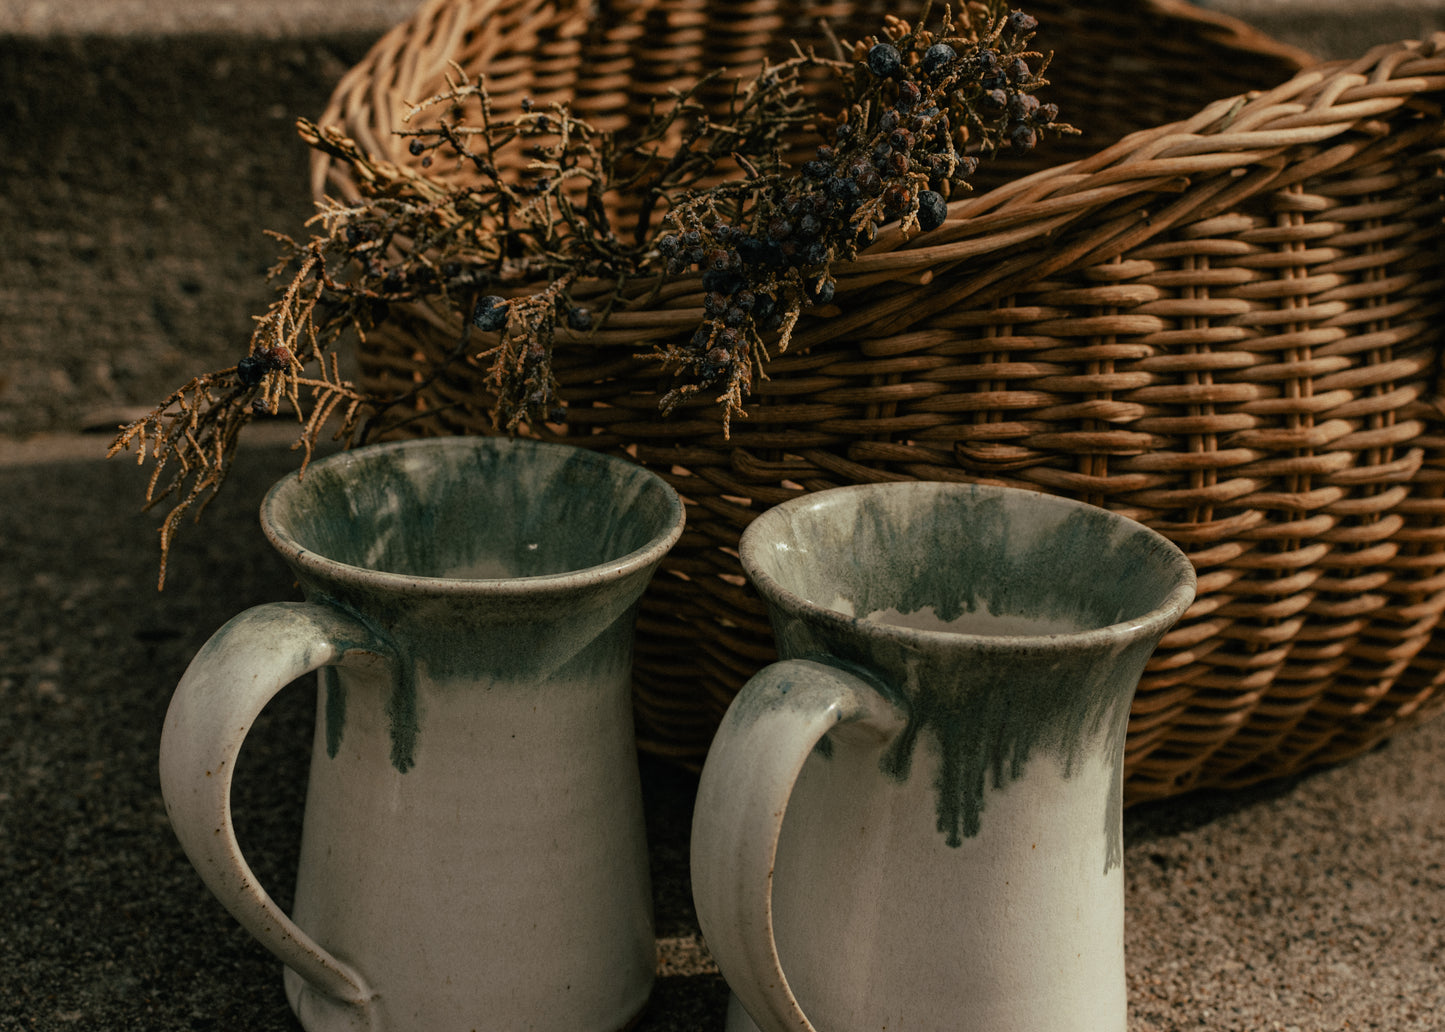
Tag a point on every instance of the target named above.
point(235, 674)
point(771, 728)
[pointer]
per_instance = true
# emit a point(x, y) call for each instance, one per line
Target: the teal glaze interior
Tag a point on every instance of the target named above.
point(472, 508)
point(952, 553)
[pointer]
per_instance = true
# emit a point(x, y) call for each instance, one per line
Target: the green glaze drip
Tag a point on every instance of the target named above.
point(990, 707)
point(1001, 715)
point(401, 712)
point(335, 710)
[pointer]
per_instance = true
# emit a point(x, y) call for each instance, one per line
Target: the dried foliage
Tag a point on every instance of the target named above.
point(519, 235)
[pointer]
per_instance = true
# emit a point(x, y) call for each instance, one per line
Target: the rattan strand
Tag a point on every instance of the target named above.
point(1215, 312)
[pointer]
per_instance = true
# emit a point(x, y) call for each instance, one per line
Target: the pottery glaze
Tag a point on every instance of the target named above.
point(473, 853)
point(914, 819)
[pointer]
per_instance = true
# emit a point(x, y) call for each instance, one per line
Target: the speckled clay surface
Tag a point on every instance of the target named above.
point(957, 668)
point(473, 853)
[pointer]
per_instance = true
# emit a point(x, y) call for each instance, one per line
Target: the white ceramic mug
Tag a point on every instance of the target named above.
point(913, 820)
point(473, 853)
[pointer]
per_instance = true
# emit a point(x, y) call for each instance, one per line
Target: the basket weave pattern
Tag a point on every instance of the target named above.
point(1220, 317)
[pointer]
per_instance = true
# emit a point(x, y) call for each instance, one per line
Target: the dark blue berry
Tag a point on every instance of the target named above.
point(490, 314)
point(723, 281)
point(932, 209)
point(251, 370)
point(1020, 23)
point(884, 60)
point(821, 293)
point(579, 319)
point(937, 58)
point(751, 250)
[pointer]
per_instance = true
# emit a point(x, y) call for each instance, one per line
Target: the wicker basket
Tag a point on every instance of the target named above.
point(1225, 327)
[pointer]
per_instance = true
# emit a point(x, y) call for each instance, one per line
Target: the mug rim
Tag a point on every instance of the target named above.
point(1157, 620)
point(322, 566)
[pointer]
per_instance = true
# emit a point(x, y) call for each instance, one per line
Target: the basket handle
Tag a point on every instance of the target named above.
point(771, 728)
point(228, 683)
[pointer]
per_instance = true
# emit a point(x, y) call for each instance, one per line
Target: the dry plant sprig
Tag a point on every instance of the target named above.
point(925, 105)
point(526, 212)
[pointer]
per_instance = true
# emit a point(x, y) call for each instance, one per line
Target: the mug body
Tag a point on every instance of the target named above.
point(964, 871)
point(473, 841)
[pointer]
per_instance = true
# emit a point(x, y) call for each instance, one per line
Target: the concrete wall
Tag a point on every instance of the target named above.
point(1337, 28)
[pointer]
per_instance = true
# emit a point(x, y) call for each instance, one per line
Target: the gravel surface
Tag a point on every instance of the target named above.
point(254, 18)
point(1315, 904)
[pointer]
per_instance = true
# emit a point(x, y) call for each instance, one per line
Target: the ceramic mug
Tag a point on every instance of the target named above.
point(913, 820)
point(473, 853)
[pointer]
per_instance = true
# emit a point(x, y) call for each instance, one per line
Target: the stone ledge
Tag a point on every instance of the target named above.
point(258, 18)
point(1332, 29)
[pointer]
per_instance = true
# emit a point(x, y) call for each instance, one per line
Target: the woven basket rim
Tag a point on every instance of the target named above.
point(437, 26)
point(1250, 129)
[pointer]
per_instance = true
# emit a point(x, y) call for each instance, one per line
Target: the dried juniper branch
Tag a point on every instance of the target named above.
point(526, 211)
point(925, 105)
